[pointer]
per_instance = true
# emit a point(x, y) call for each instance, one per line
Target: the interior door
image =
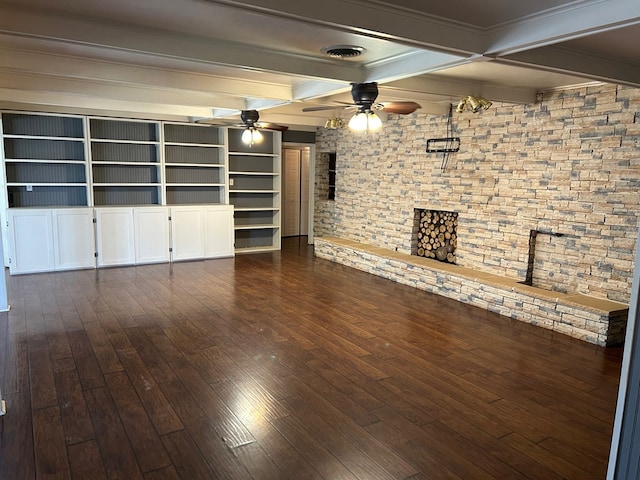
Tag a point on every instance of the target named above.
point(305, 157)
point(291, 193)
point(295, 191)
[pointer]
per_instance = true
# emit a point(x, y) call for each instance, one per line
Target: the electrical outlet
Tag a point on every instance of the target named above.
point(231, 182)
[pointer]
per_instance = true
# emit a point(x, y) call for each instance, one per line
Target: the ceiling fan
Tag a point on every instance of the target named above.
point(249, 119)
point(364, 100)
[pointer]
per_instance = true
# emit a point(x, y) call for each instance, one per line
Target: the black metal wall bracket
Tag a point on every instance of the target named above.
point(447, 144)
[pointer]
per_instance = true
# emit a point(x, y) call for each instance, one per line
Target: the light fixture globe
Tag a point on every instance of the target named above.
point(365, 121)
point(251, 135)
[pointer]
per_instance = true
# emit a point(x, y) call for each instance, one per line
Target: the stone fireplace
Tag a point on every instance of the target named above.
point(435, 234)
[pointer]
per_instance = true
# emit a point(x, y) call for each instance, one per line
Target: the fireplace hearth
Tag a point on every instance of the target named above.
point(436, 234)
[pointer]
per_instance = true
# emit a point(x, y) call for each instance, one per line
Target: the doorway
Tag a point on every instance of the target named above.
point(296, 169)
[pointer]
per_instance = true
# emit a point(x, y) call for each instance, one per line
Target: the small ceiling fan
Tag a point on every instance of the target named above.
point(249, 119)
point(251, 135)
point(364, 99)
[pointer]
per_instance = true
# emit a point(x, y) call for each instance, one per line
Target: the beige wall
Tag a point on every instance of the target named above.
point(570, 163)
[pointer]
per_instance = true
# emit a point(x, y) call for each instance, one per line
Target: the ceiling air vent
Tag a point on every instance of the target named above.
point(343, 51)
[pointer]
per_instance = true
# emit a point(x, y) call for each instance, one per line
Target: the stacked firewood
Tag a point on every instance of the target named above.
point(437, 235)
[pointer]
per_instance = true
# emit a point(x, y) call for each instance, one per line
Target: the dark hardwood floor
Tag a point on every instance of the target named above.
point(283, 366)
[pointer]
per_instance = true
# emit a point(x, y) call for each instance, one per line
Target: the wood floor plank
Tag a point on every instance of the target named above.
point(186, 457)
point(73, 408)
point(345, 403)
point(102, 348)
point(43, 388)
point(57, 337)
point(86, 361)
point(167, 473)
point(160, 412)
point(315, 403)
point(115, 449)
point(16, 367)
point(153, 360)
point(146, 443)
point(231, 429)
point(312, 450)
point(219, 457)
point(563, 467)
point(446, 453)
point(163, 344)
point(49, 445)
point(18, 454)
point(85, 461)
point(357, 461)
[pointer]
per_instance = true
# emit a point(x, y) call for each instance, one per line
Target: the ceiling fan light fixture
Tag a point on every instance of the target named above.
point(251, 135)
point(365, 121)
point(249, 117)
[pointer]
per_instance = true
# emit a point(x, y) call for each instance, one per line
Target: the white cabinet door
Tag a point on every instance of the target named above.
point(30, 241)
point(115, 236)
point(218, 231)
point(187, 233)
point(74, 243)
point(151, 234)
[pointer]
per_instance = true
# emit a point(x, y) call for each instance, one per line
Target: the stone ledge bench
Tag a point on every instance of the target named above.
point(594, 320)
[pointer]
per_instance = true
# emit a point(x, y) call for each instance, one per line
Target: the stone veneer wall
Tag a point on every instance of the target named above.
point(569, 163)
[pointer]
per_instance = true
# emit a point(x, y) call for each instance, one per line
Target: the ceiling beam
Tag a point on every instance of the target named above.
point(65, 102)
point(309, 90)
point(433, 88)
point(412, 64)
point(46, 63)
point(136, 39)
point(577, 19)
point(108, 90)
point(564, 60)
point(376, 20)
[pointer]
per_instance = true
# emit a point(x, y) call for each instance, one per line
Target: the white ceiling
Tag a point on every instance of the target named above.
point(185, 59)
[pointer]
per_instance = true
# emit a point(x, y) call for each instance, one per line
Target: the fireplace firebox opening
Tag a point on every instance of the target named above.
point(436, 234)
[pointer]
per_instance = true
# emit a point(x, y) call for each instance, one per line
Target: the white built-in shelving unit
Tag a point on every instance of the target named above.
point(254, 191)
point(45, 160)
point(125, 162)
point(138, 191)
point(195, 160)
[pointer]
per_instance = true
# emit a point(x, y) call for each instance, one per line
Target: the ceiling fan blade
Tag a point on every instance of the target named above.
point(400, 108)
point(325, 107)
point(209, 121)
point(272, 126)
